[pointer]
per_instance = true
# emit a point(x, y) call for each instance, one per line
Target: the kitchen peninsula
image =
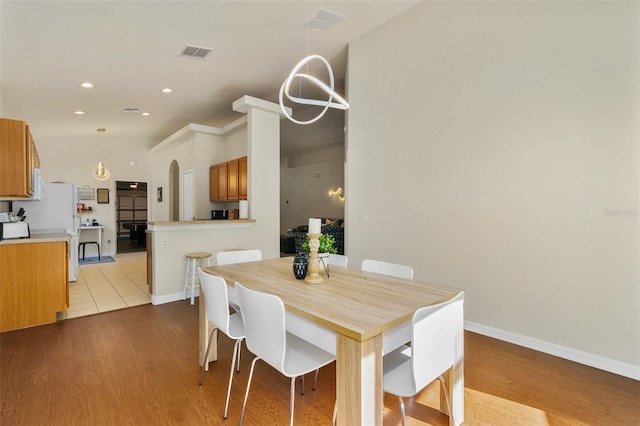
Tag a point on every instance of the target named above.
point(189, 154)
point(168, 242)
point(33, 280)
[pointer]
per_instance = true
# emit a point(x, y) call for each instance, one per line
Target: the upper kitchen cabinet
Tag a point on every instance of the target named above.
point(18, 158)
point(232, 181)
point(213, 183)
point(223, 181)
point(242, 178)
point(228, 181)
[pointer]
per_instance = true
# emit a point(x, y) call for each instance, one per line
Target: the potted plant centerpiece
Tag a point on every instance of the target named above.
point(327, 245)
point(301, 261)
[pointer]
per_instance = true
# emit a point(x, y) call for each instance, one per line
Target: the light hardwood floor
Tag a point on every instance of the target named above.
point(139, 366)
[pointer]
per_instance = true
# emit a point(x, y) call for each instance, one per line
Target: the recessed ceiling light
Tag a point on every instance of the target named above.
point(166, 90)
point(146, 114)
point(79, 112)
point(86, 85)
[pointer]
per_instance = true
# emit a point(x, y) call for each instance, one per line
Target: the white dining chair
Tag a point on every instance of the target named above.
point(387, 268)
point(399, 335)
point(338, 260)
point(434, 335)
point(333, 259)
point(237, 256)
point(214, 289)
point(267, 338)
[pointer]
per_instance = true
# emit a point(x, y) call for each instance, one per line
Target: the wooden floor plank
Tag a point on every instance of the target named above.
point(140, 366)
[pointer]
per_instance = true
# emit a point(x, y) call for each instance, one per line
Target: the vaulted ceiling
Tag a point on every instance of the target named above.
point(130, 51)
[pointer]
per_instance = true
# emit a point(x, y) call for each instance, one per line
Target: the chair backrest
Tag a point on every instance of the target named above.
point(434, 335)
point(386, 268)
point(216, 300)
point(263, 316)
point(338, 260)
point(238, 256)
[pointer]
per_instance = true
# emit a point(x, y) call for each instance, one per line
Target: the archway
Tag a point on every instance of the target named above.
point(174, 191)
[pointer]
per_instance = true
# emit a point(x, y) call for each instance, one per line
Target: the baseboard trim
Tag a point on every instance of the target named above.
point(607, 364)
point(168, 298)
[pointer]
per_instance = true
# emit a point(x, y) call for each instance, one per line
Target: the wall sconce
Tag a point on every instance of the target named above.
point(338, 193)
point(101, 172)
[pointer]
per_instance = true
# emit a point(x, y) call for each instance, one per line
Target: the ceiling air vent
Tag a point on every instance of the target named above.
point(195, 52)
point(323, 20)
point(130, 109)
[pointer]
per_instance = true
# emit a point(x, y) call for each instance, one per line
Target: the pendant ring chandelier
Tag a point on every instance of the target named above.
point(101, 172)
point(340, 102)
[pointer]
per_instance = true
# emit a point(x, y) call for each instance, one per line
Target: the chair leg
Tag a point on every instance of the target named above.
point(246, 395)
point(293, 393)
point(239, 351)
point(315, 381)
point(233, 361)
point(206, 356)
point(402, 409)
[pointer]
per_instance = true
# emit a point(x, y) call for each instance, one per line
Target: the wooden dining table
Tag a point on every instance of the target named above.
point(359, 306)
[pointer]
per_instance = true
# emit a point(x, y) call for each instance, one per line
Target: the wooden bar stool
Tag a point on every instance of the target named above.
point(191, 278)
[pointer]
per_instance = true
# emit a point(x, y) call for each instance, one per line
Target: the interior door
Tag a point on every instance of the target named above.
point(187, 196)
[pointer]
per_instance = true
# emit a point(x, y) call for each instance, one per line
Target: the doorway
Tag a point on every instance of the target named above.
point(131, 216)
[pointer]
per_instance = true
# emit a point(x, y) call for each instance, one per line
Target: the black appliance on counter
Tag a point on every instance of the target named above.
point(219, 214)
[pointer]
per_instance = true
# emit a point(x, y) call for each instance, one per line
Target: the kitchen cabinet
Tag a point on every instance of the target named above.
point(228, 180)
point(148, 236)
point(242, 178)
point(18, 158)
point(223, 181)
point(213, 183)
point(33, 283)
point(232, 180)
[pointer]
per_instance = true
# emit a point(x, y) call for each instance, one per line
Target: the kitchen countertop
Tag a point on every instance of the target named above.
point(38, 238)
point(202, 221)
point(199, 224)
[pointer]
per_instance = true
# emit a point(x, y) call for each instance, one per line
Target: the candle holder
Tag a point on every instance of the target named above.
point(313, 276)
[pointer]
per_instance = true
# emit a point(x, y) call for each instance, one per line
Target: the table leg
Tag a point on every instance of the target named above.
point(359, 381)
point(454, 378)
point(203, 335)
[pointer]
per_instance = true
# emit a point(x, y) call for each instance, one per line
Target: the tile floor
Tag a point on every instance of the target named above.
point(105, 287)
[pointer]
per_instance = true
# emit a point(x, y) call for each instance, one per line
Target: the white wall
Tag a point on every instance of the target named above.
point(73, 161)
point(261, 141)
point(304, 192)
point(493, 146)
point(235, 143)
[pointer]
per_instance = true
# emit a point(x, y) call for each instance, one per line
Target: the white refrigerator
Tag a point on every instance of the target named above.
point(56, 211)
